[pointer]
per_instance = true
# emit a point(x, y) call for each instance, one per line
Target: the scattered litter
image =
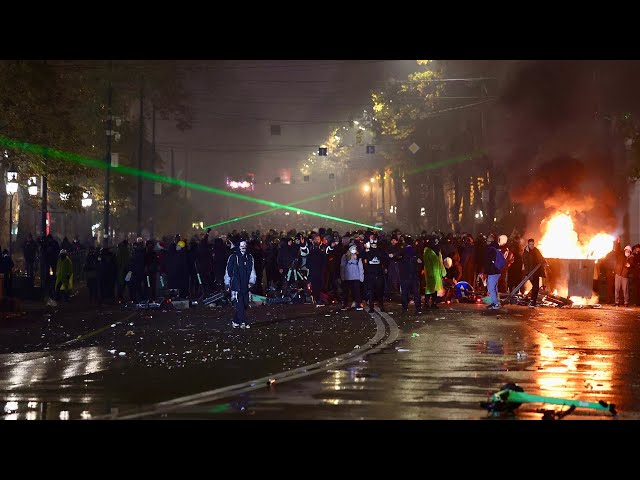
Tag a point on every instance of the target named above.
point(271, 381)
point(327, 314)
point(122, 354)
point(403, 350)
point(517, 315)
point(357, 346)
point(599, 325)
point(414, 334)
point(112, 352)
point(521, 355)
point(130, 323)
point(113, 325)
point(130, 333)
point(226, 350)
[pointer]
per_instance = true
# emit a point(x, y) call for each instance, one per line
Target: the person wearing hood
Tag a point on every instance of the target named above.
point(239, 278)
point(410, 267)
point(64, 275)
point(352, 274)
point(433, 271)
point(376, 267)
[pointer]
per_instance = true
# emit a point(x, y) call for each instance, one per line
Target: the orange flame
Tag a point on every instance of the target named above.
point(560, 240)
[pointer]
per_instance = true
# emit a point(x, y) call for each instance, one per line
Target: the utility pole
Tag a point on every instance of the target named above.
point(108, 172)
point(44, 274)
point(140, 144)
point(153, 165)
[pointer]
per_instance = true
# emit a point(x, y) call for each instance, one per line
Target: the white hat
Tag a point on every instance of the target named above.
point(628, 247)
point(502, 240)
point(353, 249)
point(448, 262)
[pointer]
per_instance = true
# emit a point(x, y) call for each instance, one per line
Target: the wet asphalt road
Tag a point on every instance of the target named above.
point(78, 363)
point(443, 365)
point(447, 362)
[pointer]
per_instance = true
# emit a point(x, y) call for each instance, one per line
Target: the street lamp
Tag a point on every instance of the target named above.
point(12, 188)
point(32, 186)
point(86, 201)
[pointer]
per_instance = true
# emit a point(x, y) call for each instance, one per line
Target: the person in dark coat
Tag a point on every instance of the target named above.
point(107, 272)
point(317, 264)
point(239, 278)
point(6, 268)
point(205, 263)
point(220, 255)
point(51, 252)
point(271, 261)
point(531, 257)
point(90, 269)
point(66, 245)
point(29, 249)
point(410, 268)
point(150, 271)
point(123, 256)
point(178, 269)
point(376, 263)
point(255, 249)
point(192, 267)
point(136, 267)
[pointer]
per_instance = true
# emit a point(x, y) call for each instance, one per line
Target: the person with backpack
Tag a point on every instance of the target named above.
point(493, 268)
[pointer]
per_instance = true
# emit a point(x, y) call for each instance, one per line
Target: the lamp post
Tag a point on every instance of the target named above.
point(32, 188)
point(12, 188)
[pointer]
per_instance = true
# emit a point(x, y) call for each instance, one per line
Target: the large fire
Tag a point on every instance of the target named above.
point(560, 240)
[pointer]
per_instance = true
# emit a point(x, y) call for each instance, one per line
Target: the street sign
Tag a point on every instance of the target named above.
point(413, 148)
point(371, 149)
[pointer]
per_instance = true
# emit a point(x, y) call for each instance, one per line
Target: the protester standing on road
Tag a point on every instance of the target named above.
point(434, 271)
point(493, 266)
point(29, 249)
point(623, 268)
point(64, 275)
point(239, 278)
point(531, 257)
point(352, 275)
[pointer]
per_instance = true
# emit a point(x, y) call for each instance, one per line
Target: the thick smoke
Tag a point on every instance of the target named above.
point(557, 142)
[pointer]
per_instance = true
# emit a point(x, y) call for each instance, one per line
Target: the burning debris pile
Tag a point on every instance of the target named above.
point(575, 224)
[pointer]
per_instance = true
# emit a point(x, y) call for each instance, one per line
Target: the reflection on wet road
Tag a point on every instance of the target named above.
point(450, 361)
point(446, 362)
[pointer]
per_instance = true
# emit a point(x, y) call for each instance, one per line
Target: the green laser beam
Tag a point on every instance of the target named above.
point(431, 166)
point(125, 170)
point(261, 212)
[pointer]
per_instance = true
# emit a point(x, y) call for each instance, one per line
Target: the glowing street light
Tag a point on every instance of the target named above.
point(32, 186)
point(12, 189)
point(86, 201)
